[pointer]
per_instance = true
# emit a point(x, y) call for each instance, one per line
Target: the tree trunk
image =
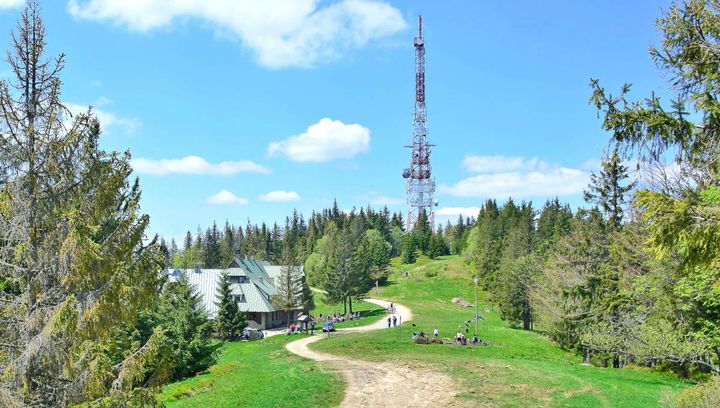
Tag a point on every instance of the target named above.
point(344, 305)
point(586, 355)
point(616, 361)
point(350, 301)
point(604, 363)
point(526, 319)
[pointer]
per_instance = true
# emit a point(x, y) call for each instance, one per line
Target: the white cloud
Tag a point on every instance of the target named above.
point(11, 3)
point(108, 120)
point(280, 33)
point(195, 165)
point(225, 197)
point(490, 164)
point(455, 211)
point(101, 101)
point(516, 177)
point(280, 196)
point(324, 141)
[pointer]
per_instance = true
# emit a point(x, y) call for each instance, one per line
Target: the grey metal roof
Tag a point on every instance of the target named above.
point(258, 289)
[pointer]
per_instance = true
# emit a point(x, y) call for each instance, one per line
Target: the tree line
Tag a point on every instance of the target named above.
point(634, 279)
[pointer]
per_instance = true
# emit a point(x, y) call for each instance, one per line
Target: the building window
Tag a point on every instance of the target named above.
point(237, 279)
point(239, 298)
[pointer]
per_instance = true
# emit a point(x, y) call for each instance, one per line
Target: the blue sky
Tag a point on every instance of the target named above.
point(247, 109)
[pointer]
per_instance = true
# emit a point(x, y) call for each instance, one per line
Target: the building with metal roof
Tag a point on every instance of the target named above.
point(253, 286)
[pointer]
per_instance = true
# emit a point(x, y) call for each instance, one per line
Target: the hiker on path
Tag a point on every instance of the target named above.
point(435, 332)
point(394, 321)
point(388, 322)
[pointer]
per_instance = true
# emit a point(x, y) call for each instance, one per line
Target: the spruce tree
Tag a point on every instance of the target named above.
point(229, 321)
point(409, 249)
point(212, 256)
point(423, 232)
point(71, 247)
point(307, 297)
point(289, 284)
point(187, 327)
point(608, 189)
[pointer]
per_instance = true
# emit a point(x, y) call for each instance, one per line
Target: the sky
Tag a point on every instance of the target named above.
point(241, 109)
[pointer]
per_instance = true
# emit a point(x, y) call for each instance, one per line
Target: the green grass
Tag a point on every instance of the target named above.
point(520, 367)
point(258, 374)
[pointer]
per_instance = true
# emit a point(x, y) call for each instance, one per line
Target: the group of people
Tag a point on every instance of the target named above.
point(300, 328)
point(337, 317)
point(393, 321)
point(461, 340)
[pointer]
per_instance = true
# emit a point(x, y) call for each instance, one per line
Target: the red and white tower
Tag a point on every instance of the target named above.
point(420, 182)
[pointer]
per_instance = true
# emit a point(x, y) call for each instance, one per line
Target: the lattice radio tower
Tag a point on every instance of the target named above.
point(420, 183)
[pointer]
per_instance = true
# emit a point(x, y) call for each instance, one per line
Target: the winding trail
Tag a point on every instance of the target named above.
point(372, 384)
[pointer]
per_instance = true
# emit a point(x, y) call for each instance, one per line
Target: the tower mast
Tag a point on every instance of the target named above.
point(420, 184)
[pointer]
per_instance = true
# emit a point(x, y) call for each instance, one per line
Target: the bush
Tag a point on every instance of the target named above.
point(431, 273)
point(706, 395)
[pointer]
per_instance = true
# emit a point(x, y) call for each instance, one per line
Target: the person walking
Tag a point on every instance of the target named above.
point(436, 332)
point(394, 321)
point(388, 320)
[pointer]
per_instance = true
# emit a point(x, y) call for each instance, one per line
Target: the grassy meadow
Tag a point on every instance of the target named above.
point(518, 367)
point(258, 374)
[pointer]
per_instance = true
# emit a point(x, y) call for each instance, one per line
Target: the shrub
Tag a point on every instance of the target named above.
point(706, 395)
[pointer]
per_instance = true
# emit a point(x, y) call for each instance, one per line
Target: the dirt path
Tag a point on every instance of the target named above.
point(372, 384)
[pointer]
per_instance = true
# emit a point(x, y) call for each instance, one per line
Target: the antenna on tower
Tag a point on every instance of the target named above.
point(420, 182)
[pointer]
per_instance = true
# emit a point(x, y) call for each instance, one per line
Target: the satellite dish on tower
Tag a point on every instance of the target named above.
point(406, 173)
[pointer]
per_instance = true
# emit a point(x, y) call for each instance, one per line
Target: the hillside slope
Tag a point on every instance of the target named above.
point(520, 366)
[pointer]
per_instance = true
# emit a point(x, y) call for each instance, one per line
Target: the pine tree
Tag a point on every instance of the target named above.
point(438, 246)
point(228, 246)
point(289, 284)
point(71, 245)
point(608, 190)
point(409, 249)
point(187, 327)
point(422, 232)
point(165, 251)
point(187, 244)
point(307, 296)
point(212, 256)
point(229, 321)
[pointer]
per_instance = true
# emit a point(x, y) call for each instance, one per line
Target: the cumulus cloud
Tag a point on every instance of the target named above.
point(195, 165)
point(487, 164)
point(225, 197)
point(280, 195)
point(516, 177)
point(280, 33)
point(324, 141)
point(109, 121)
point(4, 4)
